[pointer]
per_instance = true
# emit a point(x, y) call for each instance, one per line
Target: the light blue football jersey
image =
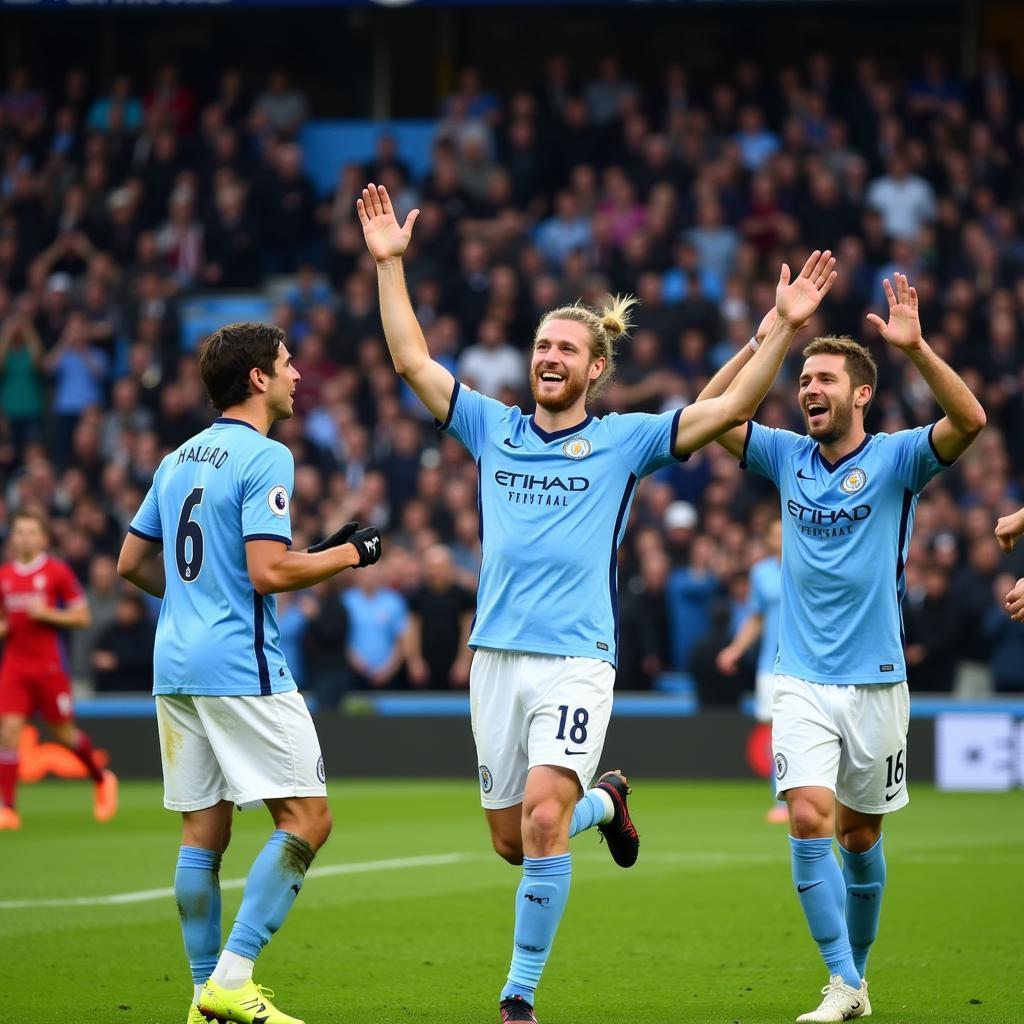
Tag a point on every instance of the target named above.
point(553, 511)
point(216, 635)
point(766, 600)
point(845, 535)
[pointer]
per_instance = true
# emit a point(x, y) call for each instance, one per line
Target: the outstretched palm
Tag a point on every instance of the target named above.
point(384, 237)
point(797, 301)
point(903, 331)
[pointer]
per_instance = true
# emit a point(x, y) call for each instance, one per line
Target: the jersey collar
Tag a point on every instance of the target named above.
point(831, 467)
point(27, 568)
point(547, 438)
point(231, 419)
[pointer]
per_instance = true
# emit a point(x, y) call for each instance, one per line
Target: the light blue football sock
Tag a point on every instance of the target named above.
point(197, 892)
point(270, 890)
point(587, 813)
point(822, 893)
point(864, 874)
point(540, 901)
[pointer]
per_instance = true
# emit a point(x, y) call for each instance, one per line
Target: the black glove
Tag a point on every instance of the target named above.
point(341, 536)
point(367, 543)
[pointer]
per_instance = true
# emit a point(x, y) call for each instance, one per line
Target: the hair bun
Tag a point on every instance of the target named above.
point(615, 316)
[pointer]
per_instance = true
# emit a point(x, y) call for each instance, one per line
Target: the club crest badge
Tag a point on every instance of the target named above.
point(853, 481)
point(577, 448)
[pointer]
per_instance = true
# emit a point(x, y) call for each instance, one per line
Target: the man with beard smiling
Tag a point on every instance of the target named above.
point(555, 491)
point(841, 706)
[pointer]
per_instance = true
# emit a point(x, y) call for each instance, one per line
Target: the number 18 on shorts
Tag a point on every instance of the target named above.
point(536, 709)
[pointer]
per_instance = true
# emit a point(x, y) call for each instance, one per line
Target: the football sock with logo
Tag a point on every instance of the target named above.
point(595, 808)
point(540, 901)
point(864, 874)
point(822, 893)
point(197, 892)
point(84, 752)
point(270, 890)
point(8, 777)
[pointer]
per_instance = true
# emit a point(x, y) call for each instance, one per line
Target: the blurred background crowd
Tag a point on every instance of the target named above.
point(120, 197)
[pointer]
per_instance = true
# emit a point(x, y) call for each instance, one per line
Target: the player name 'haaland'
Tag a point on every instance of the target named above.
point(202, 453)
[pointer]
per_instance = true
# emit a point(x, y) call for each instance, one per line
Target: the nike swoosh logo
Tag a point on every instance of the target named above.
point(568, 751)
point(800, 474)
point(508, 443)
point(807, 888)
point(891, 796)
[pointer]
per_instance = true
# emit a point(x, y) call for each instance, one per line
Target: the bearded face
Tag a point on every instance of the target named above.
point(562, 367)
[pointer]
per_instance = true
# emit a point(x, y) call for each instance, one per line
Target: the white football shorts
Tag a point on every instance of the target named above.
point(536, 709)
point(242, 749)
point(850, 739)
point(764, 694)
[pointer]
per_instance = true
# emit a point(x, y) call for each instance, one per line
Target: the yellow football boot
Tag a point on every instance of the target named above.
point(247, 1005)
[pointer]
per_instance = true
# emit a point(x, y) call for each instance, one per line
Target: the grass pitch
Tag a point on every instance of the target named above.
point(407, 916)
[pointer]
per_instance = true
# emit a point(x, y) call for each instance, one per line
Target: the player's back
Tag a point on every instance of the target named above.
point(217, 635)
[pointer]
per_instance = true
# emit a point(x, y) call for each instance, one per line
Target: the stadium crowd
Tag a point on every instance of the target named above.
point(119, 198)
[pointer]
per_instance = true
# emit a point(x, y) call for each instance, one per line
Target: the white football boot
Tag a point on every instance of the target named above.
point(841, 1003)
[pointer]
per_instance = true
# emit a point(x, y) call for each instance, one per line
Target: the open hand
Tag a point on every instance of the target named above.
point(384, 238)
point(797, 301)
point(903, 331)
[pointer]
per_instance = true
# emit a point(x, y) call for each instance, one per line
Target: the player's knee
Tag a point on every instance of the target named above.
point(508, 849)
point(807, 820)
point(319, 828)
point(10, 735)
point(859, 838)
point(545, 822)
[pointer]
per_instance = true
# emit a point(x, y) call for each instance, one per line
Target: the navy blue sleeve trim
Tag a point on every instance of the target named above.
point(746, 444)
point(451, 408)
point(287, 541)
point(145, 536)
point(672, 439)
point(935, 451)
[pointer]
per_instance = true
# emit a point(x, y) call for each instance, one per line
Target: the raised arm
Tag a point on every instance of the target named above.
point(387, 241)
point(965, 418)
point(795, 303)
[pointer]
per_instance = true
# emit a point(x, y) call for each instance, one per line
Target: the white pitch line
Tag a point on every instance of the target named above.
point(326, 871)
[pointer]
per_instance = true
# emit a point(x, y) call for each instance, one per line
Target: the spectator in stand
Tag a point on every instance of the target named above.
point(120, 109)
point(691, 593)
point(21, 384)
point(492, 364)
point(644, 646)
point(378, 620)
point(80, 372)
point(290, 204)
point(285, 107)
point(122, 660)
point(231, 240)
point(564, 232)
point(440, 620)
point(1006, 640)
point(103, 591)
point(325, 643)
point(906, 201)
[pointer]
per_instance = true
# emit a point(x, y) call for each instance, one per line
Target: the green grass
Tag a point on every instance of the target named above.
point(706, 927)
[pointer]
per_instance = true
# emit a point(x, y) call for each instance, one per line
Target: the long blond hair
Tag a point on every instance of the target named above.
point(604, 327)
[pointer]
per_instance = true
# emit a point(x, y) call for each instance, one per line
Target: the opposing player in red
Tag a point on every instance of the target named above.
point(39, 596)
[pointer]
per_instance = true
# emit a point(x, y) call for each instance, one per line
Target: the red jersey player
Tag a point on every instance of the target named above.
point(39, 596)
